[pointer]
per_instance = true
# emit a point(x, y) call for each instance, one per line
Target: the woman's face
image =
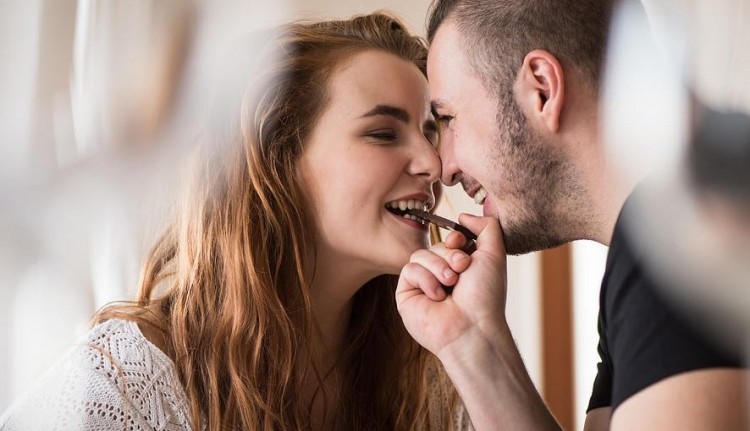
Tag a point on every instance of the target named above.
point(373, 145)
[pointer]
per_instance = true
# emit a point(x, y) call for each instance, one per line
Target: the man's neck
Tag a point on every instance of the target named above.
point(608, 190)
point(604, 184)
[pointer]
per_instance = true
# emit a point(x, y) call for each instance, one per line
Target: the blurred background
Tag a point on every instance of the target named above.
point(99, 99)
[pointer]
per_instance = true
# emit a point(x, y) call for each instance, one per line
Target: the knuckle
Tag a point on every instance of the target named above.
point(410, 269)
point(419, 255)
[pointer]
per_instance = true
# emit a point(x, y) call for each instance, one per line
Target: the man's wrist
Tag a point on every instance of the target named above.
point(487, 370)
point(484, 341)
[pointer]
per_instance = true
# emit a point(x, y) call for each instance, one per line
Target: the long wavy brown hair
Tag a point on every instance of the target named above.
point(227, 284)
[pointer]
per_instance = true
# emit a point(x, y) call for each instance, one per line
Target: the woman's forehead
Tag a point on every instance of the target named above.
point(375, 77)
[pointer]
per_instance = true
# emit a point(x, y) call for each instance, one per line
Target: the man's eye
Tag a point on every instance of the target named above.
point(443, 120)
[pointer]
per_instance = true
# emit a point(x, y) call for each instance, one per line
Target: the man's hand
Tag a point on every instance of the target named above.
point(466, 328)
point(438, 320)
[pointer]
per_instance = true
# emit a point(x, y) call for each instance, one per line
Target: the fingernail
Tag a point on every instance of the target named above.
point(448, 273)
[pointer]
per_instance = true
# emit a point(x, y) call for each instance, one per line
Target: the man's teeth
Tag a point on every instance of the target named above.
point(480, 196)
point(409, 204)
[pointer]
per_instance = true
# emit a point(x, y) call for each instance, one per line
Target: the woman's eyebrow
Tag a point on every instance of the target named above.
point(391, 111)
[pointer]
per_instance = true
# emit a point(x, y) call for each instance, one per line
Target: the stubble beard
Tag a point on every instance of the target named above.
point(540, 180)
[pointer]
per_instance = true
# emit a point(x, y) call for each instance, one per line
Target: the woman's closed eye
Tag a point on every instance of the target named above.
point(385, 135)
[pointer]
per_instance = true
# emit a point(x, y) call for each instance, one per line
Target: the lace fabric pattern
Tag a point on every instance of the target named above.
point(114, 379)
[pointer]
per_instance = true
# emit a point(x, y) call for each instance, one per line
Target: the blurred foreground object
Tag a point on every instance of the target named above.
point(684, 123)
point(100, 101)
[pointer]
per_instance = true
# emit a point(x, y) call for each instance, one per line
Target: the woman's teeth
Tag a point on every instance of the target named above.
point(403, 205)
point(480, 196)
point(407, 204)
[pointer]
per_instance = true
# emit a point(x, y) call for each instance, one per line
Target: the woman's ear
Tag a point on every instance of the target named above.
point(540, 89)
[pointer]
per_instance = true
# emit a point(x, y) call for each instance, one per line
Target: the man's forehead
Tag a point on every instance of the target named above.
point(446, 40)
point(444, 63)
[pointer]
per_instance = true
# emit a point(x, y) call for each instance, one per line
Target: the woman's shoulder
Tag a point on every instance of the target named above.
point(124, 341)
point(113, 377)
point(119, 349)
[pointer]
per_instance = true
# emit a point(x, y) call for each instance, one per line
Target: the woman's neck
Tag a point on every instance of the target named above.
point(331, 294)
point(332, 311)
point(335, 281)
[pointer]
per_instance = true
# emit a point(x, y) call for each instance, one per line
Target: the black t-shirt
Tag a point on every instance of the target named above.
point(642, 338)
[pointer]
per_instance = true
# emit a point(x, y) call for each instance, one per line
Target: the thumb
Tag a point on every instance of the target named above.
point(488, 231)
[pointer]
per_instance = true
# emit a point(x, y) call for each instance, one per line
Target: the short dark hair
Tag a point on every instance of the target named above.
point(497, 34)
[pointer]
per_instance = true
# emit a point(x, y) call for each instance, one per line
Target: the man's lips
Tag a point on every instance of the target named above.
point(471, 187)
point(488, 208)
point(476, 192)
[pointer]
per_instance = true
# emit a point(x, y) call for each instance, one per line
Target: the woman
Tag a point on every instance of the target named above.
point(269, 302)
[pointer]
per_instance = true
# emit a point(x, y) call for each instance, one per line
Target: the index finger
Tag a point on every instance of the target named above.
point(488, 231)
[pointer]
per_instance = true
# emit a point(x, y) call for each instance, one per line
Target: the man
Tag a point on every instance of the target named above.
point(514, 85)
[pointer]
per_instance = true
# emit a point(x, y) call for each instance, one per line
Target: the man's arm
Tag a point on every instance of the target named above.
point(467, 329)
point(494, 385)
point(598, 419)
point(708, 399)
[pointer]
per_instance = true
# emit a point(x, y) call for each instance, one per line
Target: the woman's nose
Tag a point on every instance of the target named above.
point(425, 162)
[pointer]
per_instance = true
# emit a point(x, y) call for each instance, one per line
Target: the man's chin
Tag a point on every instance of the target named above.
point(522, 243)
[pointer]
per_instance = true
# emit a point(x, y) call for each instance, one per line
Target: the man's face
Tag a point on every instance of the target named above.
point(487, 146)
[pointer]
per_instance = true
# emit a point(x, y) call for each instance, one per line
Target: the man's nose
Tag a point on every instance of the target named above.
point(451, 173)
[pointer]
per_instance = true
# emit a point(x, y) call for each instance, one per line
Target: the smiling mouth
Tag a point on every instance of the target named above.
point(479, 195)
point(405, 214)
point(426, 218)
point(401, 208)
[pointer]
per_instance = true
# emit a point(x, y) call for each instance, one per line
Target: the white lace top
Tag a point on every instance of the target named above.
point(114, 379)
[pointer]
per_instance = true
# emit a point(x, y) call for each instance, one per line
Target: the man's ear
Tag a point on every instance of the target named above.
point(540, 88)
